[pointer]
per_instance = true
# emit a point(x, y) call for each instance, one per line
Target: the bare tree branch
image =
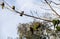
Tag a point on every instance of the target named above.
point(27, 14)
point(55, 3)
point(52, 8)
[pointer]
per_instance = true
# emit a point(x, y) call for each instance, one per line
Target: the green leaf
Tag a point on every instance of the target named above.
point(58, 28)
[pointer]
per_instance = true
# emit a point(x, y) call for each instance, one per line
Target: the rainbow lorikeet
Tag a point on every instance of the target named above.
point(13, 7)
point(22, 12)
point(55, 22)
point(2, 5)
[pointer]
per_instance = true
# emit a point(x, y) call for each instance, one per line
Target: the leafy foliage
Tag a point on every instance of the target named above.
point(32, 32)
point(36, 26)
point(58, 28)
point(55, 22)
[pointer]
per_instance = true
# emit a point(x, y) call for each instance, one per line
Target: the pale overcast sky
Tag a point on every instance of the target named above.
point(9, 20)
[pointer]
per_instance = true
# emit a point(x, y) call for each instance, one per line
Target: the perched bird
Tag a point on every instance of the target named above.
point(2, 5)
point(54, 23)
point(22, 12)
point(13, 7)
point(58, 21)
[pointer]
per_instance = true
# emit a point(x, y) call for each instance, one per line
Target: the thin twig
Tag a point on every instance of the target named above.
point(55, 3)
point(52, 8)
point(27, 14)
